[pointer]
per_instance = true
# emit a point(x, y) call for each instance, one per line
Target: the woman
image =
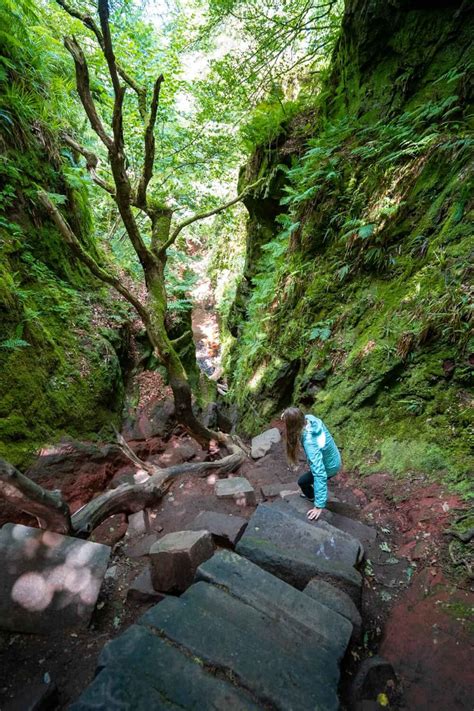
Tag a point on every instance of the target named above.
point(321, 452)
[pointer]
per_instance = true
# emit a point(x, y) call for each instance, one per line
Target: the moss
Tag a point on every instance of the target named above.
point(376, 320)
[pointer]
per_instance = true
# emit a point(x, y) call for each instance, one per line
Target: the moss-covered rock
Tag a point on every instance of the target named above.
point(362, 278)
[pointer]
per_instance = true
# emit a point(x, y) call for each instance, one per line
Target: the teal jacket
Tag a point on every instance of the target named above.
point(322, 454)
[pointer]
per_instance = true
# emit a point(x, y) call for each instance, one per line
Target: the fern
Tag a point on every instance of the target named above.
point(13, 344)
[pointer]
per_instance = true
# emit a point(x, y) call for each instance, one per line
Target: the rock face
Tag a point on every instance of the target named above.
point(336, 600)
point(237, 488)
point(263, 442)
point(48, 581)
point(225, 529)
point(175, 557)
point(296, 551)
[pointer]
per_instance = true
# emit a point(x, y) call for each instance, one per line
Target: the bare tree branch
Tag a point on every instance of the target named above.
point(48, 507)
point(108, 50)
point(202, 216)
point(83, 88)
point(149, 156)
point(76, 246)
point(88, 22)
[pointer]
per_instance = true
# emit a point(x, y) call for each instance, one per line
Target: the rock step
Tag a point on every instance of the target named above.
point(298, 567)
point(296, 507)
point(337, 600)
point(238, 488)
point(366, 535)
point(280, 601)
point(278, 665)
point(278, 523)
point(139, 671)
point(296, 551)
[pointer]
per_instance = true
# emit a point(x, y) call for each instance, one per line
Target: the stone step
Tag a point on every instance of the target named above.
point(337, 600)
point(139, 671)
point(284, 529)
point(280, 601)
point(299, 567)
point(280, 666)
point(366, 535)
point(298, 508)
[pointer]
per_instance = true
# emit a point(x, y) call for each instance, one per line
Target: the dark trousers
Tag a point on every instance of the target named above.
point(305, 482)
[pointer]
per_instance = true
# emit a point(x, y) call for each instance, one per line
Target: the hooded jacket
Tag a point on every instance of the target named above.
point(323, 456)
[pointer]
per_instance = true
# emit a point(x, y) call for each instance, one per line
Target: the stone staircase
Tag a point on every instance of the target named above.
point(264, 627)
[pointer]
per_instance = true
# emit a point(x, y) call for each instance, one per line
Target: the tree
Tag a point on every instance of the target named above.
point(132, 197)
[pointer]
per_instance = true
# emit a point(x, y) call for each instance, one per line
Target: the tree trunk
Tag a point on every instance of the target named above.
point(178, 379)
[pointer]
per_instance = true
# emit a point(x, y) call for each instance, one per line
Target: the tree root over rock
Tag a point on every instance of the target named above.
point(52, 512)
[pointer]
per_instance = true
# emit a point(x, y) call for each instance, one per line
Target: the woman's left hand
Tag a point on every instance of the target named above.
point(314, 514)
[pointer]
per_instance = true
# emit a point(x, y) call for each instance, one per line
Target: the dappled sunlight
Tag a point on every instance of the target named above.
point(32, 592)
point(46, 575)
point(257, 377)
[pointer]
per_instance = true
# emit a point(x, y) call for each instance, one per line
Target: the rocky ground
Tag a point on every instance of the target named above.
point(414, 613)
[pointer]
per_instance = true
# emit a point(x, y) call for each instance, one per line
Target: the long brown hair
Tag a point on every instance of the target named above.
point(294, 420)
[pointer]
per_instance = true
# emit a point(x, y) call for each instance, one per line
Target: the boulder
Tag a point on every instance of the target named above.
point(336, 600)
point(374, 676)
point(281, 667)
point(262, 443)
point(280, 601)
point(48, 581)
point(140, 671)
point(237, 488)
point(140, 547)
point(175, 557)
point(278, 524)
point(225, 528)
point(142, 590)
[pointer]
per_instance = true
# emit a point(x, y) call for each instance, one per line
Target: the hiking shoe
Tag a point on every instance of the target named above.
point(303, 496)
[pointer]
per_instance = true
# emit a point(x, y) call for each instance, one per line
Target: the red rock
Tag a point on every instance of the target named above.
point(110, 531)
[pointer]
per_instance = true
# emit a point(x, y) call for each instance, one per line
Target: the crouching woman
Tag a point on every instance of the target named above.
point(321, 452)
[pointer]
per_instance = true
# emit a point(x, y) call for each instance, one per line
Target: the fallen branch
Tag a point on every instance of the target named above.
point(48, 507)
point(53, 513)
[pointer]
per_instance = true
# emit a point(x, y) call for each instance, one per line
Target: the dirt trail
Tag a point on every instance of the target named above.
point(205, 326)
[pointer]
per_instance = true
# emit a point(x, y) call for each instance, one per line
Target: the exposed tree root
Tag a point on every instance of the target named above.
point(53, 513)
